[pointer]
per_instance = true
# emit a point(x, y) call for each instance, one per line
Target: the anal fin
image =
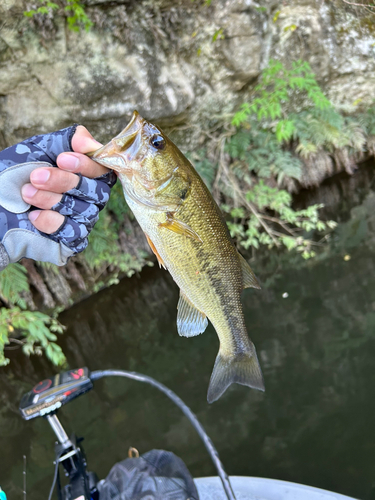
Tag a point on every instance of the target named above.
point(248, 276)
point(190, 321)
point(152, 246)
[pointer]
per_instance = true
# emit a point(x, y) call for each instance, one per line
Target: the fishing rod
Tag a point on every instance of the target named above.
point(51, 394)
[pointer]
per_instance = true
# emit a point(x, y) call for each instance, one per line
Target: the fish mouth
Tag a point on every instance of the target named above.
point(118, 152)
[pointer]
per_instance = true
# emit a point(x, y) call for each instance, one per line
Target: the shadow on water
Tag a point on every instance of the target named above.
point(313, 425)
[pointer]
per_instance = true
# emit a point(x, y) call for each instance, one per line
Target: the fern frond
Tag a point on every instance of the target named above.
point(355, 135)
point(239, 144)
point(13, 281)
point(306, 149)
point(285, 164)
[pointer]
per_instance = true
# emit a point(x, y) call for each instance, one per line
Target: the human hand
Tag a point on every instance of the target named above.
point(47, 184)
point(69, 197)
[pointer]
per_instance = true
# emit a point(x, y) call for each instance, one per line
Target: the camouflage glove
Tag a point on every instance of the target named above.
point(80, 205)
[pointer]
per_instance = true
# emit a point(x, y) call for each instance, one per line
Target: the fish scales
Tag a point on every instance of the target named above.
point(209, 272)
point(188, 234)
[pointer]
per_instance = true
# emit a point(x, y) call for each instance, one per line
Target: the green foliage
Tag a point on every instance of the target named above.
point(46, 8)
point(104, 249)
point(276, 88)
point(13, 281)
point(288, 120)
point(326, 130)
point(37, 330)
point(289, 104)
point(206, 169)
point(73, 10)
point(256, 150)
point(219, 34)
point(117, 204)
point(265, 207)
point(76, 16)
point(367, 120)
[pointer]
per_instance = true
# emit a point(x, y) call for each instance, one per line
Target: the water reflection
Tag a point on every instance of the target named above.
point(314, 423)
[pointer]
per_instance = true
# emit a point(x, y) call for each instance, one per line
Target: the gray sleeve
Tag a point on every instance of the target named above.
point(4, 259)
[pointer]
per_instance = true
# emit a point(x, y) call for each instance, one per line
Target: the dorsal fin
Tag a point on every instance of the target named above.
point(190, 321)
point(248, 277)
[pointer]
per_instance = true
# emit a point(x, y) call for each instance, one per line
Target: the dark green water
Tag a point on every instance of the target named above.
point(314, 424)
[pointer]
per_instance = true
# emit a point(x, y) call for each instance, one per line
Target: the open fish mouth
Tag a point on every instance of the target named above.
point(119, 151)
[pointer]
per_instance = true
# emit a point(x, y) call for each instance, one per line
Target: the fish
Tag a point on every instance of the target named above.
point(189, 236)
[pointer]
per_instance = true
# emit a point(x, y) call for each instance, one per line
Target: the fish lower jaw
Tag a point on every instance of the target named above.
point(116, 163)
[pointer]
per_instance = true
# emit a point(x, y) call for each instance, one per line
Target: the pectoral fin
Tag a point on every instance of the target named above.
point(179, 227)
point(248, 277)
point(152, 246)
point(190, 321)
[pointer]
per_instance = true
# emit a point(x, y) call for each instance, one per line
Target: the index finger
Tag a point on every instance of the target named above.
point(77, 162)
point(80, 163)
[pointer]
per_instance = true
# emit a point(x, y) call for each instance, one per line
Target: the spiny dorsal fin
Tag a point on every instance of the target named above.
point(248, 277)
point(190, 321)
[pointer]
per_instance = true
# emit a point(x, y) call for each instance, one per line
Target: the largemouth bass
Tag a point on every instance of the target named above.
point(188, 234)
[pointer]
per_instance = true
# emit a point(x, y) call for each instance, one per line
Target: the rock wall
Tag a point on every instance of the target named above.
point(159, 56)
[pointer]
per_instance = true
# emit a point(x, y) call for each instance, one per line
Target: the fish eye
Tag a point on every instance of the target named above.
point(157, 141)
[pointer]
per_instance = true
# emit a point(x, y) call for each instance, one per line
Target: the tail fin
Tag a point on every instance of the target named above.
point(243, 369)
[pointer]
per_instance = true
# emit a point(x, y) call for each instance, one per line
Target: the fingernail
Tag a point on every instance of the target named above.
point(34, 215)
point(40, 175)
point(95, 143)
point(28, 191)
point(68, 162)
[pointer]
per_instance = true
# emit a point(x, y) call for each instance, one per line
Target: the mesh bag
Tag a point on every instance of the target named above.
point(156, 475)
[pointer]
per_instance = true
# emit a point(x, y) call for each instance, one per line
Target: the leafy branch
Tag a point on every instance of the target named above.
point(73, 10)
point(35, 331)
point(252, 213)
point(276, 88)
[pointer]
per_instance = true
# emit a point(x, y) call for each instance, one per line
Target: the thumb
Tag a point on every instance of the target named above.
point(83, 141)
